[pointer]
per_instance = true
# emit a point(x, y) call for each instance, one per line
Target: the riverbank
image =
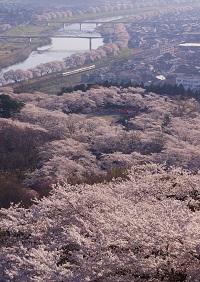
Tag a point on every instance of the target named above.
point(8, 59)
point(19, 50)
point(49, 83)
point(16, 56)
point(16, 52)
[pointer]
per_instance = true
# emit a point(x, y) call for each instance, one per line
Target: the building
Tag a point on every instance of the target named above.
point(167, 49)
point(188, 81)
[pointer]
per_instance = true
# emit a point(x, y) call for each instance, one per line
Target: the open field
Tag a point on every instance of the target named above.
point(17, 50)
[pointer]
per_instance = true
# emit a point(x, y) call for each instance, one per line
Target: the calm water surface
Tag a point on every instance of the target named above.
point(61, 48)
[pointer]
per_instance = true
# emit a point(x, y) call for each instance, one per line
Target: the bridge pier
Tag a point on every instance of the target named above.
point(90, 39)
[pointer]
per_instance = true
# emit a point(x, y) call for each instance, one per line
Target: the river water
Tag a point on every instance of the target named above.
point(61, 48)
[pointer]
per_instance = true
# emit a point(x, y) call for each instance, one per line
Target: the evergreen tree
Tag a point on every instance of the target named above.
point(9, 106)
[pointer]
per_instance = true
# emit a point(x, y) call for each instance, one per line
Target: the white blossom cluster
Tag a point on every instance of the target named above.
point(83, 136)
point(144, 228)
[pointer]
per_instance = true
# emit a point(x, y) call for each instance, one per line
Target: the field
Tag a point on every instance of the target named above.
point(16, 50)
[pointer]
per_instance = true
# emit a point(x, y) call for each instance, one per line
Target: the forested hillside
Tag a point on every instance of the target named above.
point(119, 169)
point(94, 135)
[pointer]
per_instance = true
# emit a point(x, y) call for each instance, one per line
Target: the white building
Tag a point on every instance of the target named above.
point(189, 82)
point(167, 48)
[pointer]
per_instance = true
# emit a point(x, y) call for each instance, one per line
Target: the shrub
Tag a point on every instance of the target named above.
point(13, 191)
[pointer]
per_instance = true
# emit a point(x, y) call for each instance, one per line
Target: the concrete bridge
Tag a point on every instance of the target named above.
point(67, 23)
point(31, 37)
point(136, 22)
point(81, 23)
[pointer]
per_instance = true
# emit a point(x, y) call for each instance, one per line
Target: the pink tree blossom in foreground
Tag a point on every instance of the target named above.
point(145, 227)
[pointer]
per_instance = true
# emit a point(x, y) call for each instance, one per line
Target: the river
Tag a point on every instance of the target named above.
point(61, 48)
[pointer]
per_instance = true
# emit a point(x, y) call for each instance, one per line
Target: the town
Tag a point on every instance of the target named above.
point(156, 48)
point(169, 49)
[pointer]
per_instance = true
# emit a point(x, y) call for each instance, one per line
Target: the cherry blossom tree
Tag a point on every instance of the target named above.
point(107, 129)
point(141, 227)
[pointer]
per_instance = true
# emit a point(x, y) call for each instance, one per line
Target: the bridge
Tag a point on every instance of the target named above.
point(81, 23)
point(31, 37)
point(67, 23)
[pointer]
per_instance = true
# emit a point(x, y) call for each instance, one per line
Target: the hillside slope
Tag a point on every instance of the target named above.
point(119, 171)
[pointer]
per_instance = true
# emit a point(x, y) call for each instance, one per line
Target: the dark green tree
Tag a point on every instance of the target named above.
point(9, 106)
point(166, 123)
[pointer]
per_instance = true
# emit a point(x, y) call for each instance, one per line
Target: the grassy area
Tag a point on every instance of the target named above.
point(13, 55)
point(15, 50)
point(113, 118)
point(48, 84)
point(31, 29)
